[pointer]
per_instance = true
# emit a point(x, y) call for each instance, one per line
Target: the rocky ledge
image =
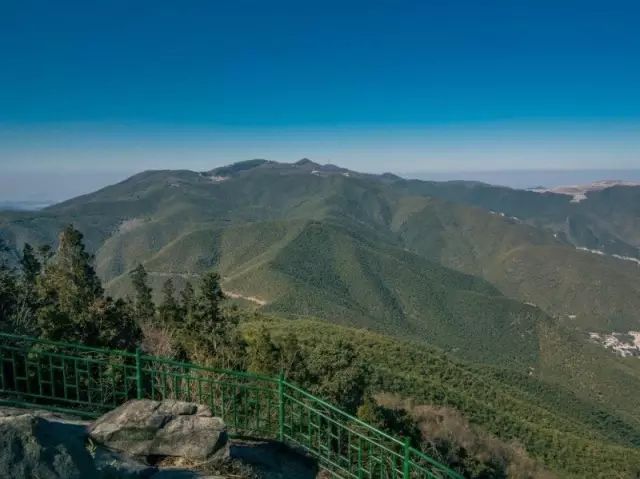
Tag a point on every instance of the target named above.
point(138, 440)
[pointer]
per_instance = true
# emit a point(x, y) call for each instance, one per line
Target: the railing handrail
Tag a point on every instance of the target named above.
point(344, 420)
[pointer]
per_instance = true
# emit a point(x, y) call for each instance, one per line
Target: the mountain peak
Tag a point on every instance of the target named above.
point(306, 162)
point(237, 167)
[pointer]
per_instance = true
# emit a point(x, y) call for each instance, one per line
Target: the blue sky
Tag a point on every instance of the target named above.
point(121, 86)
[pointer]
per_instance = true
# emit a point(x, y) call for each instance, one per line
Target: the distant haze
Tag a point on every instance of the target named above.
point(53, 186)
point(529, 178)
point(47, 187)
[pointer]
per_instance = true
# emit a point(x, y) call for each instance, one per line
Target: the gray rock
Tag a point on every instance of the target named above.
point(161, 428)
point(46, 448)
point(111, 464)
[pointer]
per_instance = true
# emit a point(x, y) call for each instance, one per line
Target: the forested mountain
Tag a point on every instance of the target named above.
point(254, 221)
point(490, 276)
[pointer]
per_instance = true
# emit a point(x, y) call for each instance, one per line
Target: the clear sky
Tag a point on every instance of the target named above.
point(119, 86)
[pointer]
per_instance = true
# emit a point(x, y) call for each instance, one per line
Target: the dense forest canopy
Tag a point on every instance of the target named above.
point(465, 416)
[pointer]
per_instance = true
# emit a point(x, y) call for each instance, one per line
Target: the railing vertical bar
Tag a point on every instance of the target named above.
point(281, 407)
point(138, 374)
point(406, 466)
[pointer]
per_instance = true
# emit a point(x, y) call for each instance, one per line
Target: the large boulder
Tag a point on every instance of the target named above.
point(162, 428)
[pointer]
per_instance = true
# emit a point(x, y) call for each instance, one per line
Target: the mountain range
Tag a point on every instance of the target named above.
point(496, 277)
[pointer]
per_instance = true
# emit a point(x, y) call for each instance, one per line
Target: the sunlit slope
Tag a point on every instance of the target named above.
point(575, 435)
point(306, 239)
point(325, 270)
point(589, 291)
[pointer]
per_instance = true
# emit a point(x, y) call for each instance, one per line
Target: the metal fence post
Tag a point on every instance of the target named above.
point(138, 373)
point(405, 469)
point(281, 407)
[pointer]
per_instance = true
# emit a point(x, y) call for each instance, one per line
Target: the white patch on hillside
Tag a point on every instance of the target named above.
point(602, 253)
point(500, 213)
point(578, 193)
point(253, 299)
point(218, 179)
point(230, 294)
point(623, 344)
point(130, 225)
point(165, 274)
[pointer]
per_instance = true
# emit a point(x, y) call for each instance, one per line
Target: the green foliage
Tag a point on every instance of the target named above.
point(263, 355)
point(30, 264)
point(337, 374)
point(64, 300)
point(143, 305)
point(396, 421)
point(293, 361)
point(206, 314)
point(187, 299)
point(70, 280)
point(8, 296)
point(210, 334)
point(555, 426)
point(169, 311)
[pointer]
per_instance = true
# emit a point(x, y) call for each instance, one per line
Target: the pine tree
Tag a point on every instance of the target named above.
point(71, 302)
point(264, 356)
point(207, 303)
point(187, 297)
point(293, 360)
point(338, 374)
point(31, 266)
point(45, 253)
point(8, 297)
point(144, 307)
point(169, 309)
point(68, 289)
point(216, 334)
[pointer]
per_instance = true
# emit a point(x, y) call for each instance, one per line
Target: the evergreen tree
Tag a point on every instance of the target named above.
point(337, 374)
point(114, 324)
point(8, 297)
point(8, 289)
point(187, 297)
point(68, 289)
point(144, 307)
point(45, 253)
point(30, 265)
point(169, 309)
point(218, 340)
point(207, 303)
point(293, 361)
point(71, 302)
point(264, 356)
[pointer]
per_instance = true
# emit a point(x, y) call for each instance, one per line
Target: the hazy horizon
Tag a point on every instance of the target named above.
point(48, 187)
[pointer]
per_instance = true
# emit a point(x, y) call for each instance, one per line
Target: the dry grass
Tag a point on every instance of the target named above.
point(447, 435)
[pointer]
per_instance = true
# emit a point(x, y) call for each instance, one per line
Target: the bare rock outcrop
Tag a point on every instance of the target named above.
point(146, 428)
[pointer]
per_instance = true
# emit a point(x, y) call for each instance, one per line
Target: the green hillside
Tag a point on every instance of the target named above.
point(588, 291)
point(252, 221)
point(488, 275)
point(607, 220)
point(571, 434)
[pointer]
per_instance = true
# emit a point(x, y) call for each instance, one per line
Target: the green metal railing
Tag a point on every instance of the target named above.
point(89, 381)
